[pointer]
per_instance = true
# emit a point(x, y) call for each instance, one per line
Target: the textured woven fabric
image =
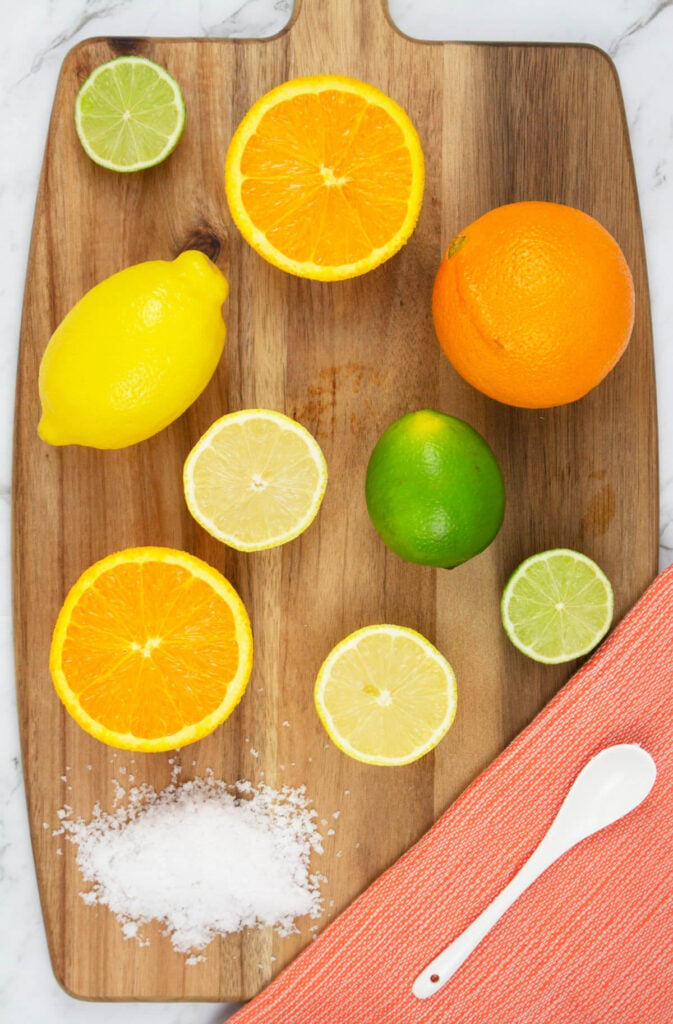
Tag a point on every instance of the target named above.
point(591, 942)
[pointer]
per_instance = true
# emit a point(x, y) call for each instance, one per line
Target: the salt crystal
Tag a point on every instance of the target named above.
point(64, 778)
point(286, 724)
point(336, 814)
point(202, 858)
point(255, 753)
point(330, 832)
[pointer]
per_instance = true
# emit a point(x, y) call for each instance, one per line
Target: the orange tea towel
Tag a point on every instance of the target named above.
point(591, 942)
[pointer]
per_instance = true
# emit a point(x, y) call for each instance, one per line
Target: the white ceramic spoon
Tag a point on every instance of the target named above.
point(609, 786)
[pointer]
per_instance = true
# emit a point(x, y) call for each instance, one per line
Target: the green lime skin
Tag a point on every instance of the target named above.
point(434, 490)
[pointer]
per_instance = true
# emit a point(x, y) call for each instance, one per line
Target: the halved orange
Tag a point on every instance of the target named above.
point(152, 649)
point(324, 177)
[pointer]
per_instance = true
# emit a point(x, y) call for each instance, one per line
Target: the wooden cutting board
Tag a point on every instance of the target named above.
point(498, 123)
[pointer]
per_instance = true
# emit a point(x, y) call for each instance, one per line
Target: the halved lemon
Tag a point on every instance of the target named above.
point(152, 649)
point(324, 177)
point(256, 479)
point(386, 695)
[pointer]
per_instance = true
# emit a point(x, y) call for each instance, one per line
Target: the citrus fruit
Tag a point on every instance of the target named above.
point(129, 114)
point(434, 490)
point(133, 353)
point(151, 650)
point(324, 177)
point(533, 304)
point(256, 479)
point(557, 605)
point(386, 695)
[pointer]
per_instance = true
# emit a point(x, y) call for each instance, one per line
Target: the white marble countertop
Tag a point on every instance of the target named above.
point(35, 37)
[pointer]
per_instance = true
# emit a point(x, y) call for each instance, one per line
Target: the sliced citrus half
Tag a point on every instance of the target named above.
point(152, 649)
point(557, 605)
point(324, 177)
point(129, 114)
point(386, 695)
point(256, 479)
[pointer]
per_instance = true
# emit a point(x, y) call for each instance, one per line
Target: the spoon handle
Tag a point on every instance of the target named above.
point(437, 973)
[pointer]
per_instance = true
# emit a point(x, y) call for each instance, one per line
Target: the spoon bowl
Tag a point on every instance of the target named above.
point(610, 785)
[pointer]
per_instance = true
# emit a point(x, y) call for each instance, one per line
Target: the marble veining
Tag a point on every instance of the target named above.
point(637, 34)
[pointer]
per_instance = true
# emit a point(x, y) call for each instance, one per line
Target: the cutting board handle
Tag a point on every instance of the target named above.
point(340, 17)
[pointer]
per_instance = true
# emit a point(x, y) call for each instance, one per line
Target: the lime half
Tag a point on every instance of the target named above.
point(557, 606)
point(129, 114)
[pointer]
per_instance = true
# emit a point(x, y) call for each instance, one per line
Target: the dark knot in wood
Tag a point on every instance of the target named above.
point(205, 240)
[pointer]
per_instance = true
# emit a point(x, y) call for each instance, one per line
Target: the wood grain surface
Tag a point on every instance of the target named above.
point(498, 123)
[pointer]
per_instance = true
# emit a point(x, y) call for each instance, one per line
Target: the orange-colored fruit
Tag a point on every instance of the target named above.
point(533, 304)
point(324, 177)
point(152, 649)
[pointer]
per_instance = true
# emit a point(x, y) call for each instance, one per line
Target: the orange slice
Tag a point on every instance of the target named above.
point(324, 177)
point(152, 649)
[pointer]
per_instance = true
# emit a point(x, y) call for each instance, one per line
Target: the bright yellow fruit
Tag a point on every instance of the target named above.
point(133, 353)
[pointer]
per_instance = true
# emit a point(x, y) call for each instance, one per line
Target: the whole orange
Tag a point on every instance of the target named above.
point(533, 304)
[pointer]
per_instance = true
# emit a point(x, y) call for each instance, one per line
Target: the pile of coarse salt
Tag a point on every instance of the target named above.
point(203, 858)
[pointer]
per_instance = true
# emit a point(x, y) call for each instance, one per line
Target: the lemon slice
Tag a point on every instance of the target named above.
point(385, 695)
point(256, 479)
point(129, 114)
point(557, 605)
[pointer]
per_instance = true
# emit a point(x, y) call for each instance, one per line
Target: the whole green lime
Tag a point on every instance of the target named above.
point(434, 490)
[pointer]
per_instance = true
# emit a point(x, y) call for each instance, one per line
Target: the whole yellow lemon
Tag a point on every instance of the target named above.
point(133, 353)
